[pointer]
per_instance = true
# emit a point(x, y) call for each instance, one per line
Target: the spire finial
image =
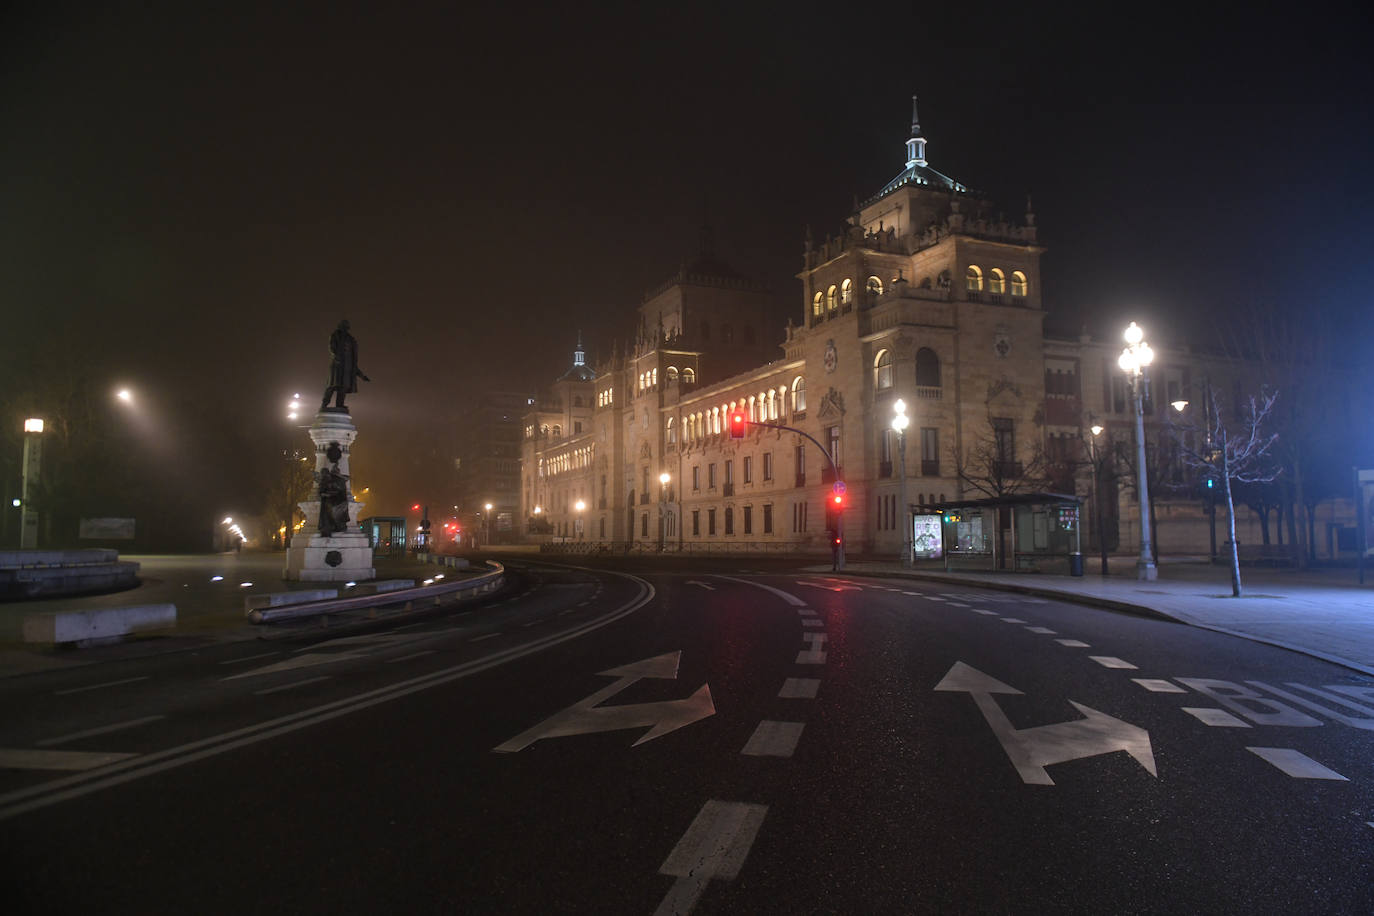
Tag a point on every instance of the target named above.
point(916, 145)
point(579, 355)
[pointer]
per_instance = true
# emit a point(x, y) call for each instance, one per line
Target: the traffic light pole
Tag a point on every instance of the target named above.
point(839, 516)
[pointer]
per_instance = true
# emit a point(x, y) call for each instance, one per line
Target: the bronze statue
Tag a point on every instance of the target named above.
point(333, 501)
point(343, 367)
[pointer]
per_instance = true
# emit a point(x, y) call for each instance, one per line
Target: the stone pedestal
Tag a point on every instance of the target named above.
point(345, 556)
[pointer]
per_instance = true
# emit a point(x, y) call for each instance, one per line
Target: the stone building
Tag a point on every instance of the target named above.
point(926, 294)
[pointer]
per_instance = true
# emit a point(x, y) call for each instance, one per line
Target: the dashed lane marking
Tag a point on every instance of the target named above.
point(249, 658)
point(571, 610)
point(813, 622)
point(102, 730)
point(1012, 620)
point(22, 759)
point(1111, 661)
point(956, 604)
point(487, 636)
point(911, 593)
point(1072, 643)
point(532, 623)
point(816, 654)
point(1042, 631)
point(1156, 685)
point(71, 690)
point(806, 612)
point(1295, 763)
point(278, 689)
point(799, 688)
point(1217, 718)
point(714, 846)
point(406, 658)
point(933, 598)
point(774, 739)
point(985, 613)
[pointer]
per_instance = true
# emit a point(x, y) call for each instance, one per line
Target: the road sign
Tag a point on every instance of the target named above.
point(1033, 749)
point(839, 488)
point(585, 717)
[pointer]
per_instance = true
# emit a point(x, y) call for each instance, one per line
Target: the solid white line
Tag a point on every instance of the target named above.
point(1295, 763)
point(774, 739)
point(23, 759)
point(70, 690)
point(406, 658)
point(799, 688)
point(487, 636)
point(92, 732)
point(714, 846)
point(248, 658)
point(785, 596)
point(69, 787)
point(322, 677)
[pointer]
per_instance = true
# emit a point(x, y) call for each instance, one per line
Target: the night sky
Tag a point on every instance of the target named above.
point(191, 199)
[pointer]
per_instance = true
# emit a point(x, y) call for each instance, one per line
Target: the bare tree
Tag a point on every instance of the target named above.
point(293, 482)
point(989, 464)
point(1241, 457)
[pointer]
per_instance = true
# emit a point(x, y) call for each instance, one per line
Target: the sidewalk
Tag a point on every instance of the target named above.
point(1324, 613)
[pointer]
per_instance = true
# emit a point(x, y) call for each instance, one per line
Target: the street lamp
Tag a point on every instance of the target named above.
point(1095, 449)
point(1134, 358)
point(486, 517)
point(663, 508)
point(899, 424)
point(1180, 406)
point(579, 506)
point(33, 459)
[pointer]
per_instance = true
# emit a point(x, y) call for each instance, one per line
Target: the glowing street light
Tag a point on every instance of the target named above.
point(29, 476)
point(1134, 359)
point(125, 395)
point(899, 425)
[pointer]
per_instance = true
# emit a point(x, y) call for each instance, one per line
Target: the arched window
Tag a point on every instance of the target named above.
point(753, 416)
point(672, 432)
point(875, 286)
point(943, 280)
point(818, 304)
point(846, 291)
point(830, 299)
point(882, 370)
point(558, 430)
point(715, 421)
point(973, 280)
point(997, 281)
point(927, 368)
point(544, 430)
point(689, 376)
point(671, 373)
point(653, 378)
point(772, 405)
point(1018, 283)
point(798, 394)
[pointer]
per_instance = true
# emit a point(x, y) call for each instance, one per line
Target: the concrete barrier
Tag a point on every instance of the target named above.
point(97, 626)
point(411, 597)
point(391, 585)
point(281, 599)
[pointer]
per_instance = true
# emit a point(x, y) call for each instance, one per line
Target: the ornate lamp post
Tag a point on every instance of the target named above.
point(1095, 447)
point(580, 506)
point(1134, 358)
point(899, 424)
point(486, 517)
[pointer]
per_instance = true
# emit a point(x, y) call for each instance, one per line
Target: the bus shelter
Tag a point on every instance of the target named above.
point(386, 535)
point(1023, 532)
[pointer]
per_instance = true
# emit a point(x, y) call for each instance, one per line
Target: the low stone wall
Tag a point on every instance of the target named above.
point(46, 573)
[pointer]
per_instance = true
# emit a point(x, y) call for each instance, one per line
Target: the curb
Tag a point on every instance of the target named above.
point(1111, 604)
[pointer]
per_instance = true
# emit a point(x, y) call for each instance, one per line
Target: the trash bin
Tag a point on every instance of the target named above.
point(1075, 564)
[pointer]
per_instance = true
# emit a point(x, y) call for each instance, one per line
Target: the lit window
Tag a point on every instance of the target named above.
point(818, 305)
point(846, 291)
point(798, 394)
point(882, 370)
point(875, 286)
point(689, 376)
point(997, 282)
point(830, 299)
point(973, 280)
point(1018, 283)
point(672, 432)
point(671, 373)
point(653, 378)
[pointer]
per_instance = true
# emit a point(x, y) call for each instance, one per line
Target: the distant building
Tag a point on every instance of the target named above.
point(487, 464)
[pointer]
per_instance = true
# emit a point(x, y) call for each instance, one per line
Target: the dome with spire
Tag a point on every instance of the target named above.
point(579, 371)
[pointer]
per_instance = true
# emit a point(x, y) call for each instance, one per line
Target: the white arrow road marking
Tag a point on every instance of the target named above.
point(20, 759)
point(1217, 718)
point(715, 846)
point(702, 584)
point(585, 717)
point(1033, 749)
point(1295, 763)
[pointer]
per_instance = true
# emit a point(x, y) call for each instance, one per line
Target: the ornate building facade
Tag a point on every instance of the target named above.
point(926, 295)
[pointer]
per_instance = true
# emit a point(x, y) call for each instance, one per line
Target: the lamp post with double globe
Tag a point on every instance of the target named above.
point(1134, 358)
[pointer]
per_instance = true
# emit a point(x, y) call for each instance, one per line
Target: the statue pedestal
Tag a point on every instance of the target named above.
point(344, 556)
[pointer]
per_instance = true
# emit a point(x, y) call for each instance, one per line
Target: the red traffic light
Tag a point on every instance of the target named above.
point(837, 500)
point(737, 422)
point(415, 508)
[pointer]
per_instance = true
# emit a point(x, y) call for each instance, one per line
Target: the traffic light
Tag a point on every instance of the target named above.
point(737, 422)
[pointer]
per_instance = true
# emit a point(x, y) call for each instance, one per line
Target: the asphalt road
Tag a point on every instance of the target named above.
point(709, 740)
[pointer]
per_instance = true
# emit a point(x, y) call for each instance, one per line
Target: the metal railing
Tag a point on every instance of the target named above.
point(407, 598)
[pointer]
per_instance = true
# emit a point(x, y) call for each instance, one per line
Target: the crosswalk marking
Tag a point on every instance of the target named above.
point(1072, 643)
point(1217, 718)
point(1295, 763)
point(1156, 685)
point(1111, 661)
point(799, 688)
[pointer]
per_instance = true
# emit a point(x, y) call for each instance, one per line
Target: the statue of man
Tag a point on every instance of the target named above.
point(333, 501)
point(343, 367)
